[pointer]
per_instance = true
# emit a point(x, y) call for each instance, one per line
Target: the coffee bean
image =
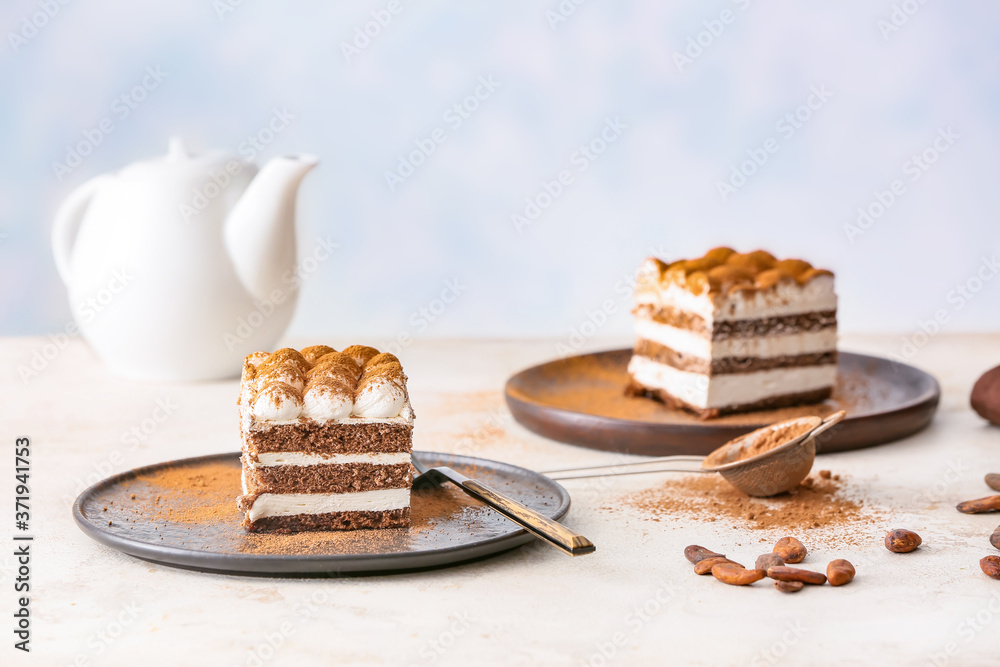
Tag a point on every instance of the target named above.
point(991, 566)
point(782, 573)
point(694, 553)
point(790, 550)
point(789, 586)
point(979, 505)
point(735, 574)
point(993, 481)
point(995, 538)
point(705, 566)
point(902, 541)
point(839, 572)
point(765, 561)
point(985, 398)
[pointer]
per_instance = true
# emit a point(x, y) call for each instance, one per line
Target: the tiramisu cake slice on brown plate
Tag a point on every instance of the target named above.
point(734, 332)
point(326, 440)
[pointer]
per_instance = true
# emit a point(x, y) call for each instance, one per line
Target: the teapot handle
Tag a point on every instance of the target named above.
point(67, 224)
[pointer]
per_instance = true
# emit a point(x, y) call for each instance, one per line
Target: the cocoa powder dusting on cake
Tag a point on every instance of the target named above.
point(821, 502)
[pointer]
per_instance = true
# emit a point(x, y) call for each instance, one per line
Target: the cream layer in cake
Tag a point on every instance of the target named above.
point(720, 391)
point(270, 459)
point(291, 504)
point(695, 344)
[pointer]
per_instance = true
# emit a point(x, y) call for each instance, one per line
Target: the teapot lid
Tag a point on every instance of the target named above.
point(179, 151)
point(182, 160)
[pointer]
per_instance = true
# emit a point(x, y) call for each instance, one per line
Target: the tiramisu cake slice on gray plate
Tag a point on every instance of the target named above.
point(733, 332)
point(327, 438)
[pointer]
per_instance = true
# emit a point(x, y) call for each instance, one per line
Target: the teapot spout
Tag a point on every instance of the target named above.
point(260, 230)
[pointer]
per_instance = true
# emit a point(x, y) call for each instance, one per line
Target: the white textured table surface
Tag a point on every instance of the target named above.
point(635, 601)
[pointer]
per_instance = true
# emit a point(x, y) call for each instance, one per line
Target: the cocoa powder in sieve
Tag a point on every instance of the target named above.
point(773, 438)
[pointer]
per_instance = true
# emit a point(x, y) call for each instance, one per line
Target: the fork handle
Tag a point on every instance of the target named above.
point(535, 523)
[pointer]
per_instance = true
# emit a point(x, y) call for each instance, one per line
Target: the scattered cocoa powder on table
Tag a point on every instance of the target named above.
point(818, 504)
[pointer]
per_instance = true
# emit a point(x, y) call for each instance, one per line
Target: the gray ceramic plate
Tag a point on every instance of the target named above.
point(183, 513)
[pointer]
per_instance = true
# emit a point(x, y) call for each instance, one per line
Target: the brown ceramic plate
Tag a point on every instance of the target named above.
point(183, 513)
point(581, 400)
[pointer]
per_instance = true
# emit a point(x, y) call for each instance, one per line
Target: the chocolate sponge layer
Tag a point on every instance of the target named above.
point(310, 437)
point(339, 478)
point(721, 330)
point(398, 518)
point(728, 365)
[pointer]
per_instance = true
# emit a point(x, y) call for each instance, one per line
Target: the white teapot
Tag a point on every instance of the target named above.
point(180, 266)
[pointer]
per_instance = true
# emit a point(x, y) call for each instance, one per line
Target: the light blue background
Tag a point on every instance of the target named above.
point(654, 189)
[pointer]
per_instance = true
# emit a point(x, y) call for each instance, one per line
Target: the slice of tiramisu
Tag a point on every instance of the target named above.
point(326, 440)
point(733, 332)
